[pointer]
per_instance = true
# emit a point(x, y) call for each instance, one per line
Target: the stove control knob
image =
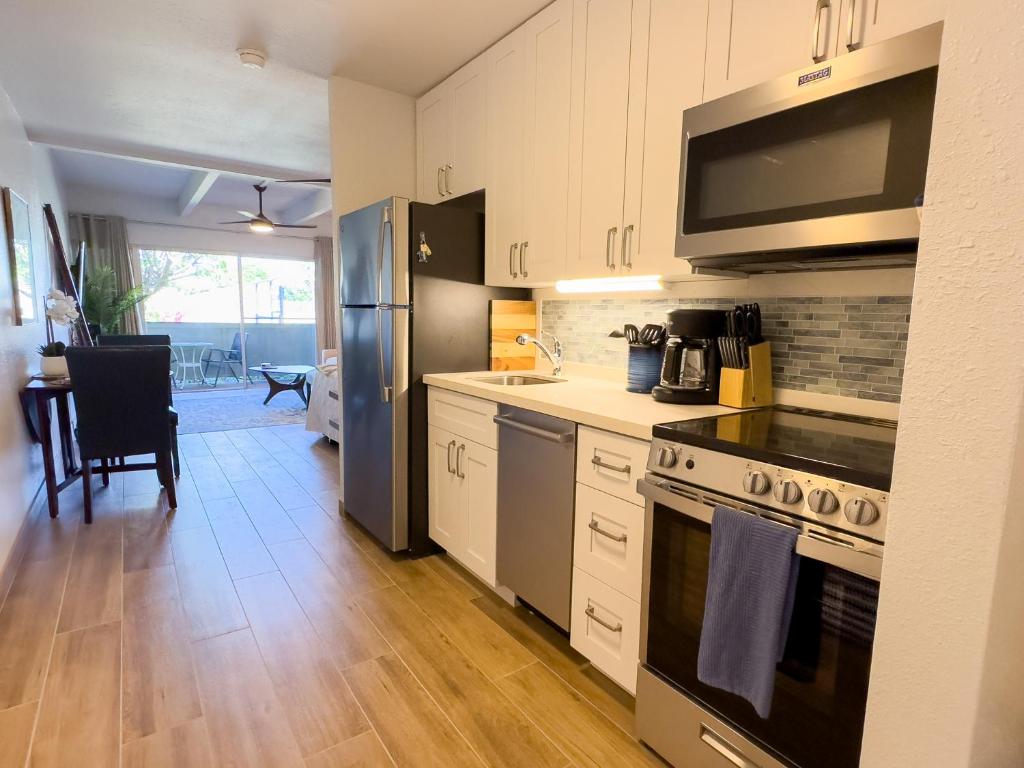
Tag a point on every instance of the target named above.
point(756, 483)
point(666, 458)
point(787, 492)
point(860, 511)
point(822, 501)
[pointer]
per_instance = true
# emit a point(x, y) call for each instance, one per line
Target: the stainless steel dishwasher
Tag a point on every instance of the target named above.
point(536, 483)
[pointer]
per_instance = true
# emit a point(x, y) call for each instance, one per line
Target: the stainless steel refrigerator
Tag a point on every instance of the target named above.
point(412, 302)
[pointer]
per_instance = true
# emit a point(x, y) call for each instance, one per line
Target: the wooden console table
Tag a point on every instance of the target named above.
point(37, 394)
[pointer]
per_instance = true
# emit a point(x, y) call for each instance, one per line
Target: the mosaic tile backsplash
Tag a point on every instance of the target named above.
point(852, 346)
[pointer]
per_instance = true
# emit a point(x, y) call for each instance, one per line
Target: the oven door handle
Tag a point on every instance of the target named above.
point(816, 545)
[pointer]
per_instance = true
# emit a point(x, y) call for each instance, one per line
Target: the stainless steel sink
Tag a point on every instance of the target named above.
point(518, 380)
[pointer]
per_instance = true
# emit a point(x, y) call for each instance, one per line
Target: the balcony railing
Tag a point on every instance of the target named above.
point(274, 343)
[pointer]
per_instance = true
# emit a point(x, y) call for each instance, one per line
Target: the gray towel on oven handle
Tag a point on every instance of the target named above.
point(751, 588)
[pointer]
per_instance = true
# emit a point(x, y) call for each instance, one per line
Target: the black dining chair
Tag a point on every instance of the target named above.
point(232, 359)
point(151, 340)
point(121, 403)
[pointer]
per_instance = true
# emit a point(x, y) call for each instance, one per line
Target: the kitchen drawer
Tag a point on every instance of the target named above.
point(611, 463)
point(609, 540)
point(468, 417)
point(605, 628)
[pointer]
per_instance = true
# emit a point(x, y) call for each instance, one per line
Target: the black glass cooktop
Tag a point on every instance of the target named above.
point(846, 448)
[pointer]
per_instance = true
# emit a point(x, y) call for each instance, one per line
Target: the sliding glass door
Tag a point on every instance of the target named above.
point(227, 312)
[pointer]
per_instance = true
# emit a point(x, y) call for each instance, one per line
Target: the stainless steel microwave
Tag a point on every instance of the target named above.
point(822, 168)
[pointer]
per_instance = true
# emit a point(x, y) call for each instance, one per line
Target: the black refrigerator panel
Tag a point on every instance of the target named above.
point(449, 326)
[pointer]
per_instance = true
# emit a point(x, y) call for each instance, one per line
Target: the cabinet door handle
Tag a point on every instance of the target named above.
point(450, 446)
point(596, 528)
point(850, 18)
point(458, 462)
point(440, 189)
point(448, 178)
point(522, 258)
point(624, 469)
point(512, 259)
point(609, 247)
point(816, 36)
point(627, 246)
point(593, 615)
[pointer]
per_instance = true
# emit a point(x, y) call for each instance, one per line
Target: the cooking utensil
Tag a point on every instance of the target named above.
point(632, 333)
point(651, 334)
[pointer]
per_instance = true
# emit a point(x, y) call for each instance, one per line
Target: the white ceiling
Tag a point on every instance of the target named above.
point(124, 178)
point(159, 78)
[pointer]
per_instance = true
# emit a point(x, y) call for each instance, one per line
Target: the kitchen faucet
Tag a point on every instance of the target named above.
point(555, 358)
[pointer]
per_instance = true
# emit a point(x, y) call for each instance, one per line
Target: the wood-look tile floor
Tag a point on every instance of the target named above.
point(254, 626)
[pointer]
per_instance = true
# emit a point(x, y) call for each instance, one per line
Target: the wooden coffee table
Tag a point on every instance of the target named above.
point(295, 380)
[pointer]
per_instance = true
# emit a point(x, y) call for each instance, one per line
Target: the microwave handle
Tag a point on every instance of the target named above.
point(816, 36)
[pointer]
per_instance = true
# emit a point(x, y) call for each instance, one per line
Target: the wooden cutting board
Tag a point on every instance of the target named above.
point(508, 320)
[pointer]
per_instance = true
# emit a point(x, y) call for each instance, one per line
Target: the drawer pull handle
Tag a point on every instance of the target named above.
point(611, 627)
point(724, 748)
point(596, 528)
point(625, 469)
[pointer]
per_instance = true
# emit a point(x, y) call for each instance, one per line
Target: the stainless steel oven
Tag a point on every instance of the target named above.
point(821, 685)
point(824, 167)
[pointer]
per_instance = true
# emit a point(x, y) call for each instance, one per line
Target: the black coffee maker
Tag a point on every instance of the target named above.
point(691, 368)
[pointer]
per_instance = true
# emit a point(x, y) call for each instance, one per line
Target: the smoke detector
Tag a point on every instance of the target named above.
point(252, 58)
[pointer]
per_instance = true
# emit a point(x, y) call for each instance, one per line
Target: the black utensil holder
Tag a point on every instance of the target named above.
point(643, 371)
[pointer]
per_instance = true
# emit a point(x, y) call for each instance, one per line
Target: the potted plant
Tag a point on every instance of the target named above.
point(104, 305)
point(60, 310)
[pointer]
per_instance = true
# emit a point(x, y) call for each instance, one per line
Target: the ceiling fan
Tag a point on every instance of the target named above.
point(260, 222)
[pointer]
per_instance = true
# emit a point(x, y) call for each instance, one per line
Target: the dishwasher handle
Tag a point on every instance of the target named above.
point(554, 437)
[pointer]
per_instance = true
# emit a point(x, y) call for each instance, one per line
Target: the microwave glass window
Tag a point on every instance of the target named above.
point(821, 684)
point(791, 174)
point(858, 151)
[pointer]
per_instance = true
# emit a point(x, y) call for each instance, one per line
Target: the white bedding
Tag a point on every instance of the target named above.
point(324, 413)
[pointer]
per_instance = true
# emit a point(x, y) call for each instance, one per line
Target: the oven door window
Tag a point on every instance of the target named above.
point(817, 715)
point(860, 151)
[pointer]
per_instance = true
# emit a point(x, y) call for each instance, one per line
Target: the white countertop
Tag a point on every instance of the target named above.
point(591, 401)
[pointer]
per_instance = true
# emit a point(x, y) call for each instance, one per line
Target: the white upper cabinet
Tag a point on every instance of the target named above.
point(451, 125)
point(750, 41)
point(602, 31)
point(675, 81)
point(864, 22)
point(528, 150)
point(433, 131)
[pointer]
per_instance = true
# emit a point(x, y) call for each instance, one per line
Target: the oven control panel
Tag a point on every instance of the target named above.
point(826, 501)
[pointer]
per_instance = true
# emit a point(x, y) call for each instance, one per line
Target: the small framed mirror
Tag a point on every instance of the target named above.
point(19, 251)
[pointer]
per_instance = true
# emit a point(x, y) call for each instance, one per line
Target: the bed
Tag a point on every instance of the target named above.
point(324, 413)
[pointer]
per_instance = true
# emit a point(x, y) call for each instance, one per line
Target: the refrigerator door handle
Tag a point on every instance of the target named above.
point(385, 390)
point(385, 221)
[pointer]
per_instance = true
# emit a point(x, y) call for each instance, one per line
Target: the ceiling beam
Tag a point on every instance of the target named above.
point(195, 189)
point(308, 207)
point(89, 145)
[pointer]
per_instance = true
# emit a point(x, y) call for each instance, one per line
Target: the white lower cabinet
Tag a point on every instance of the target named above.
point(463, 498)
point(609, 540)
point(605, 627)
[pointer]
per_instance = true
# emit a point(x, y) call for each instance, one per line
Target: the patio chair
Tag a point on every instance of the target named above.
point(232, 359)
point(122, 401)
point(151, 340)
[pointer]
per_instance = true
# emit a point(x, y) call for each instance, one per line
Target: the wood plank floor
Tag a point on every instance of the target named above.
point(254, 626)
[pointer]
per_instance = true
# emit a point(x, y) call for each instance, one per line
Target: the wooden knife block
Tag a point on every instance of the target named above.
point(748, 387)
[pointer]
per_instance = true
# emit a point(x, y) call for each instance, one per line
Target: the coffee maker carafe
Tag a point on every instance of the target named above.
point(691, 368)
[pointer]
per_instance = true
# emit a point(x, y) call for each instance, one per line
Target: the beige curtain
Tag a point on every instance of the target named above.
point(326, 304)
point(106, 241)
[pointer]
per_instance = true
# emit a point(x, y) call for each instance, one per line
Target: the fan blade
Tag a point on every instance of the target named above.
point(243, 221)
point(303, 181)
point(295, 226)
point(250, 214)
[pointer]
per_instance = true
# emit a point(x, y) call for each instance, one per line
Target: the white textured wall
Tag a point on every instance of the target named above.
point(27, 170)
point(373, 144)
point(947, 687)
